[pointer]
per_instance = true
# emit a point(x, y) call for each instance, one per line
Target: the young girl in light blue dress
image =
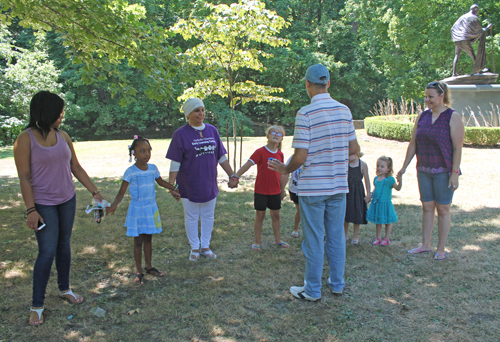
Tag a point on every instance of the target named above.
point(143, 217)
point(381, 209)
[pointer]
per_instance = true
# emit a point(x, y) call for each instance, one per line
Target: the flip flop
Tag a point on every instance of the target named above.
point(417, 250)
point(256, 248)
point(438, 255)
point(155, 272)
point(294, 234)
point(74, 300)
point(194, 256)
point(209, 254)
point(40, 316)
point(282, 244)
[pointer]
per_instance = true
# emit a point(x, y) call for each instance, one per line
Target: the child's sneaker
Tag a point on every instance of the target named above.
point(377, 242)
point(385, 242)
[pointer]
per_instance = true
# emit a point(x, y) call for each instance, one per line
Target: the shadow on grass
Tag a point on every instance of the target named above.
point(243, 295)
point(6, 152)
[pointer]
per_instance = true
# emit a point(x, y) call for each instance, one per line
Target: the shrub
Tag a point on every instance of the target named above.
point(482, 136)
point(395, 127)
point(399, 127)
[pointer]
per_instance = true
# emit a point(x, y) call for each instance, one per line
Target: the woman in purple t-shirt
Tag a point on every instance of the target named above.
point(437, 140)
point(195, 151)
point(45, 159)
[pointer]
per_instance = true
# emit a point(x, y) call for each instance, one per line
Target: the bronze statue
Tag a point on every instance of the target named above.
point(466, 30)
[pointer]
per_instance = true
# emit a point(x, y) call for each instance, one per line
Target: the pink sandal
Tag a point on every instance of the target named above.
point(377, 242)
point(385, 242)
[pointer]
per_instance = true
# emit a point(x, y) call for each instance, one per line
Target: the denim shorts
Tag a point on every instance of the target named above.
point(434, 187)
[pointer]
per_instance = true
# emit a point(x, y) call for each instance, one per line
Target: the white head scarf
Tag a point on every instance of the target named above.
point(190, 105)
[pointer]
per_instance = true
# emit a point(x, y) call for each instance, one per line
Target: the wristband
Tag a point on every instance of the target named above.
point(30, 209)
point(95, 192)
point(234, 176)
point(456, 171)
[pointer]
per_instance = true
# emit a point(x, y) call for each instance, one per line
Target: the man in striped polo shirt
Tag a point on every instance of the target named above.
point(324, 138)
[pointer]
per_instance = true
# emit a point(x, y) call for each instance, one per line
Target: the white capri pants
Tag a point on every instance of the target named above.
point(193, 212)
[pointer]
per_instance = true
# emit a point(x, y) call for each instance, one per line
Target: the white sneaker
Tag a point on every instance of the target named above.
point(299, 292)
point(335, 293)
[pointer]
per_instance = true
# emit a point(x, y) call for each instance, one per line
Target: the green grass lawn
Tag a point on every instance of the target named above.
point(243, 295)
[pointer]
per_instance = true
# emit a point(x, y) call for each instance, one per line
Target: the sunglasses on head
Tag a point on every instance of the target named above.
point(276, 133)
point(435, 85)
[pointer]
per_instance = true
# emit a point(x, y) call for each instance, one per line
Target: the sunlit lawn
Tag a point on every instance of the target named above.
point(243, 295)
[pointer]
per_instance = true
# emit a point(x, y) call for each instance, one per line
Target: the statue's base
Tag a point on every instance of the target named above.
point(484, 78)
point(477, 102)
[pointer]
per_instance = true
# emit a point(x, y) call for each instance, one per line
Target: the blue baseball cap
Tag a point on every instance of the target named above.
point(317, 73)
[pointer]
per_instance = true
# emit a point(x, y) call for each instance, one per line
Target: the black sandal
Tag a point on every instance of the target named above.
point(155, 272)
point(138, 279)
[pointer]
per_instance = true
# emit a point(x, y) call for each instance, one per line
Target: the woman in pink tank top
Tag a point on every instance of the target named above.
point(45, 161)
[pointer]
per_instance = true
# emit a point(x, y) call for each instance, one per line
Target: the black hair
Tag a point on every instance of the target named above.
point(137, 140)
point(45, 109)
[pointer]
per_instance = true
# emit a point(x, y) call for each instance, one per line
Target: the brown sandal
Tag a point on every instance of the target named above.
point(138, 279)
point(155, 272)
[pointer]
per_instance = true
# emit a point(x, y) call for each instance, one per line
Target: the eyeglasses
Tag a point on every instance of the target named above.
point(276, 133)
point(435, 85)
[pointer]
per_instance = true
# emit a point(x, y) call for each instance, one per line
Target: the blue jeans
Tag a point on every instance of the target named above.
point(322, 215)
point(53, 241)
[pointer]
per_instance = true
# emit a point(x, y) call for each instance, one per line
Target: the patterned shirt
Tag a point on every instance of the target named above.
point(324, 128)
point(433, 141)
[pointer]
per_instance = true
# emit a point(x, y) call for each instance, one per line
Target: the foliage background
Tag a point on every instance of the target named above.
point(121, 70)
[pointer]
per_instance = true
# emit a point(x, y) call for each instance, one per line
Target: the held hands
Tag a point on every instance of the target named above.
point(233, 183)
point(283, 194)
point(175, 194)
point(368, 198)
point(400, 174)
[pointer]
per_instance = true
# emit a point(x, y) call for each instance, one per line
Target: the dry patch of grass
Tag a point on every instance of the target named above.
point(243, 295)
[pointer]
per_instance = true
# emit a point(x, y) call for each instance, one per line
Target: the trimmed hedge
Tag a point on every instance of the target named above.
point(399, 127)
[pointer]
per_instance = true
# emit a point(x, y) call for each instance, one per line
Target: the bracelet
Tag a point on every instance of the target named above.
point(29, 212)
point(30, 209)
point(95, 192)
point(234, 176)
point(456, 171)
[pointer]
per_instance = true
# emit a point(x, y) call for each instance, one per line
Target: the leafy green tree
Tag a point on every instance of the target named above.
point(230, 40)
point(23, 73)
point(410, 43)
point(99, 34)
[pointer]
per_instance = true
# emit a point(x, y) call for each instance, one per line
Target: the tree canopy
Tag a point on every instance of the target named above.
point(124, 65)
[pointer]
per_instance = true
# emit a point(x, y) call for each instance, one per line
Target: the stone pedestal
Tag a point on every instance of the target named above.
point(475, 102)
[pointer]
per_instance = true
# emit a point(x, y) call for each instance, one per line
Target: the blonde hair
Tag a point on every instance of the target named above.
point(360, 154)
point(388, 160)
point(276, 127)
point(441, 88)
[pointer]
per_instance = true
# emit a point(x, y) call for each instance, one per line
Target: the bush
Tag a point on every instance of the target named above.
point(482, 136)
point(399, 127)
point(10, 128)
